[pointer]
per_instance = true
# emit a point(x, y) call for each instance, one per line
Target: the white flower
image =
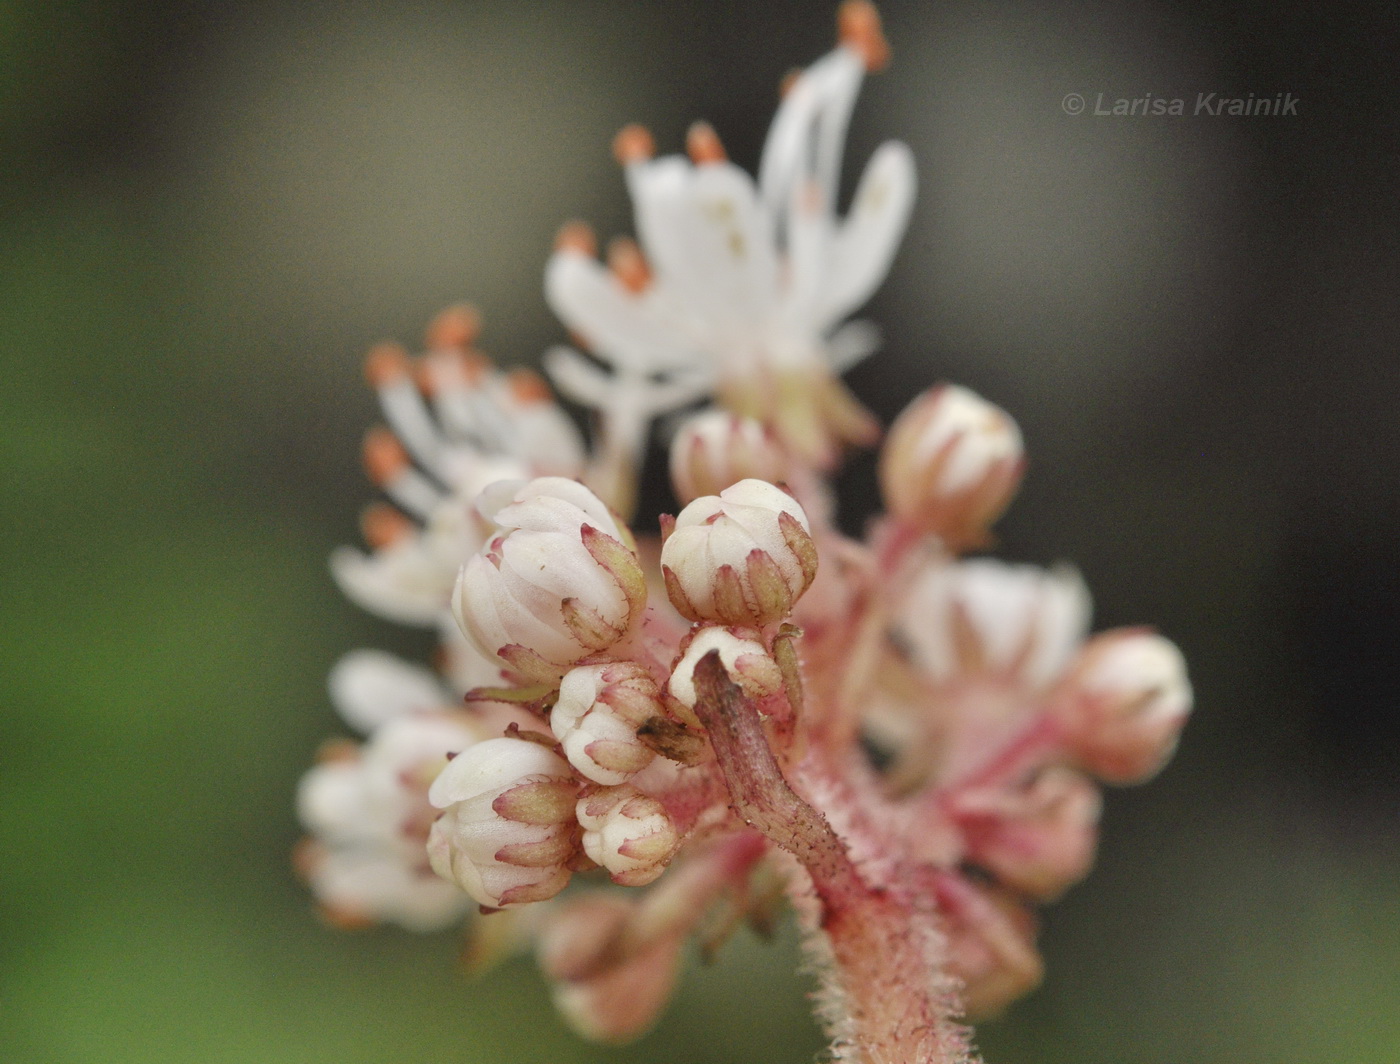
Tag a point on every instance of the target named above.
point(508, 829)
point(1128, 700)
point(559, 583)
point(746, 282)
point(367, 809)
point(716, 449)
point(596, 718)
point(984, 617)
point(950, 464)
point(455, 426)
point(627, 832)
point(370, 688)
point(744, 556)
point(357, 886)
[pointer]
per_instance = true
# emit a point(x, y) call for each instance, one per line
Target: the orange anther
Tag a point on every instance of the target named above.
point(789, 80)
point(628, 264)
point(382, 525)
point(576, 236)
point(385, 457)
point(457, 327)
point(702, 144)
point(386, 364)
point(633, 144)
point(307, 856)
point(345, 919)
point(337, 751)
point(858, 27)
point(527, 386)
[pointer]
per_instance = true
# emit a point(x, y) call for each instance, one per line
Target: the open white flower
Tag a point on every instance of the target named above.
point(739, 287)
point(984, 617)
point(367, 808)
point(455, 425)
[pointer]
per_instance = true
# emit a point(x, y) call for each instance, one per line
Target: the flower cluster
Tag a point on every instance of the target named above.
point(901, 737)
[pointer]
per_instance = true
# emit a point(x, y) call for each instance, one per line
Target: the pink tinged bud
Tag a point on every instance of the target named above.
point(717, 449)
point(1128, 698)
point(1039, 840)
point(991, 946)
point(609, 984)
point(742, 557)
point(596, 719)
point(560, 582)
point(745, 659)
point(508, 832)
point(950, 465)
point(629, 833)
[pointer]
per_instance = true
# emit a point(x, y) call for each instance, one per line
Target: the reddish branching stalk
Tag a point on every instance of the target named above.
point(883, 999)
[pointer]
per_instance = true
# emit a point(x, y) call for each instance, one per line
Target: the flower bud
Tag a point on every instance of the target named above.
point(744, 556)
point(745, 659)
point(629, 833)
point(716, 449)
point(596, 719)
point(1039, 840)
point(950, 465)
point(609, 982)
point(559, 582)
point(991, 947)
point(508, 831)
point(1128, 699)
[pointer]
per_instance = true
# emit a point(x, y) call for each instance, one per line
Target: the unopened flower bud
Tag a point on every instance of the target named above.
point(717, 449)
point(1128, 699)
point(745, 659)
point(950, 464)
point(508, 830)
point(609, 983)
point(558, 583)
point(744, 556)
point(596, 719)
point(991, 947)
point(1039, 840)
point(629, 833)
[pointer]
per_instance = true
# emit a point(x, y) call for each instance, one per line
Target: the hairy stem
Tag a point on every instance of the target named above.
point(885, 1000)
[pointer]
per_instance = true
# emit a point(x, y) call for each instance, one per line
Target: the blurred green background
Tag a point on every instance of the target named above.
point(211, 210)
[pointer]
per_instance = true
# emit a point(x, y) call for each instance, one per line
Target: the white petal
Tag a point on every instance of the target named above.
point(400, 583)
point(865, 245)
point(621, 327)
point(370, 687)
point(851, 343)
point(811, 119)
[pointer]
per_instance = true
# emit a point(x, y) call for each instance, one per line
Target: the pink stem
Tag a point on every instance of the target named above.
point(887, 1001)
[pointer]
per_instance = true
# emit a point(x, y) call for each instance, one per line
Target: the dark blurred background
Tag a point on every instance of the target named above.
point(211, 210)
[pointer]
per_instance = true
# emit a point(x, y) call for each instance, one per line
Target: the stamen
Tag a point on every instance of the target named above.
point(703, 145)
point(386, 364)
point(383, 525)
point(858, 27)
point(337, 751)
point(385, 457)
point(455, 328)
point(789, 80)
point(629, 265)
point(633, 144)
point(577, 236)
point(528, 387)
